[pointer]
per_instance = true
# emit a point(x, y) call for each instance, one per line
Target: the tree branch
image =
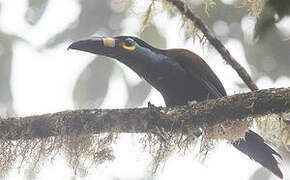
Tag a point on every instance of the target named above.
point(187, 12)
point(140, 120)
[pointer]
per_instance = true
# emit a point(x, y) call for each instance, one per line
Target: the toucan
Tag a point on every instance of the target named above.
point(181, 76)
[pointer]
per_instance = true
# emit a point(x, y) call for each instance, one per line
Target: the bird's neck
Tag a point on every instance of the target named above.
point(164, 74)
point(145, 62)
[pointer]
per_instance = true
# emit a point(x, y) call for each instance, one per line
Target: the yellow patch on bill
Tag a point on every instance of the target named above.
point(109, 42)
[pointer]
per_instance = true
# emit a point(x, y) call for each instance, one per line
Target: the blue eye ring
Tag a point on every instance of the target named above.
point(129, 42)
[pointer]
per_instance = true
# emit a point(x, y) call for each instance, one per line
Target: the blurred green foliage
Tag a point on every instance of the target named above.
point(35, 10)
point(261, 173)
point(274, 11)
point(268, 55)
point(272, 46)
point(6, 55)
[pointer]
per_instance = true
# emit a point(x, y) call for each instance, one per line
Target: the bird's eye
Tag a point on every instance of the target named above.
point(129, 44)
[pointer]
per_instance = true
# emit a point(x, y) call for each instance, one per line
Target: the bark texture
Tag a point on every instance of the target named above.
point(140, 120)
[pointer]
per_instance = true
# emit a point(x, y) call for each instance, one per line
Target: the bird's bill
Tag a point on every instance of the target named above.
point(96, 45)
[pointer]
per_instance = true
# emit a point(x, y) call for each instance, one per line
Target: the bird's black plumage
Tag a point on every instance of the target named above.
point(180, 76)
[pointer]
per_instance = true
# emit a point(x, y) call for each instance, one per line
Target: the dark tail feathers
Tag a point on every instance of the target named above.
point(253, 145)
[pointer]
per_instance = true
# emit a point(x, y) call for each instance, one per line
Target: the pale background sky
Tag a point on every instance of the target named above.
point(43, 80)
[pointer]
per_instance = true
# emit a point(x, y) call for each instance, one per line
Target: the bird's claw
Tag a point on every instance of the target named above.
point(153, 108)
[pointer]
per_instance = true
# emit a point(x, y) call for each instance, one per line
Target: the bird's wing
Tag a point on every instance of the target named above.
point(198, 69)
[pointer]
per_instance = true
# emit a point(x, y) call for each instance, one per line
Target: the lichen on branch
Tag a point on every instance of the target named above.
point(86, 136)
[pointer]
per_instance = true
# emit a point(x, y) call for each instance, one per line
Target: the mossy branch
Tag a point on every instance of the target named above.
point(140, 120)
point(188, 13)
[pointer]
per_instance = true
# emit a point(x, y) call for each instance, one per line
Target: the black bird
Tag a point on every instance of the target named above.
point(180, 76)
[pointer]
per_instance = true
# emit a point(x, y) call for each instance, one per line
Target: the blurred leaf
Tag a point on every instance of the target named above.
point(94, 16)
point(152, 36)
point(261, 173)
point(6, 54)
point(270, 56)
point(92, 85)
point(11, 38)
point(221, 12)
point(272, 53)
point(281, 7)
point(266, 21)
point(35, 10)
point(273, 12)
point(137, 94)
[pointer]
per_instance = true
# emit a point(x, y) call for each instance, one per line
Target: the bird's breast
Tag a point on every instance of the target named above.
point(174, 83)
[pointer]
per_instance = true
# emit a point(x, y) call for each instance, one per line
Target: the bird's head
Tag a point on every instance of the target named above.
point(132, 51)
point(123, 48)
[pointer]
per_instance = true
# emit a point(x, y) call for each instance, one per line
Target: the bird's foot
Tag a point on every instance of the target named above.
point(153, 108)
point(155, 111)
